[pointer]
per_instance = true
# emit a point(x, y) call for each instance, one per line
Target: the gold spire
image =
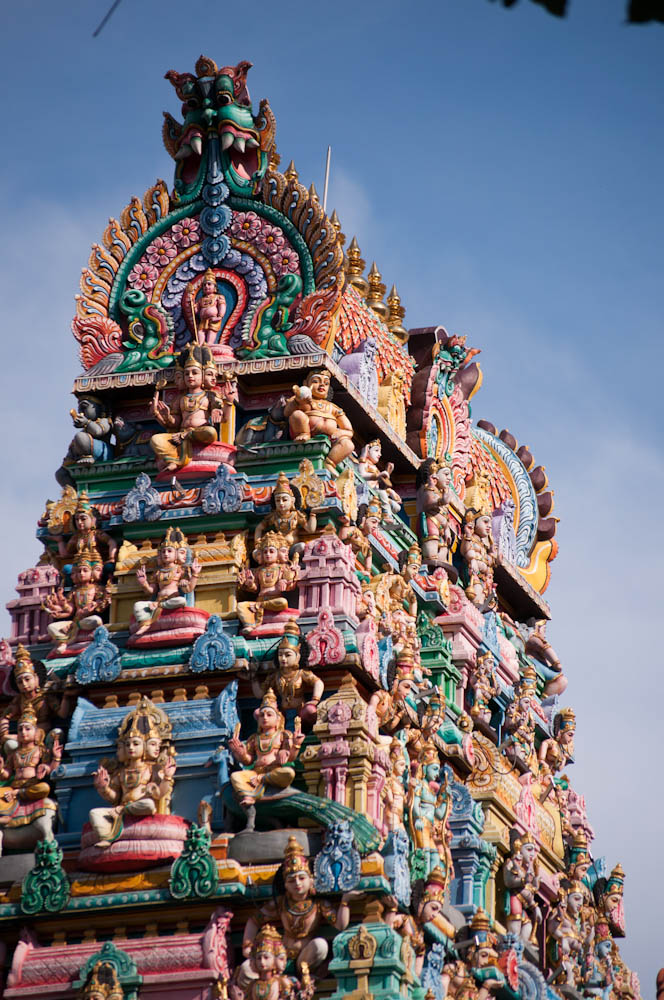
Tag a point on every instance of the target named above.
point(355, 269)
point(376, 293)
point(313, 193)
point(396, 315)
point(334, 219)
point(290, 173)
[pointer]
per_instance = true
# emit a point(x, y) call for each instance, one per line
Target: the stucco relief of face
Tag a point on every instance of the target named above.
point(288, 658)
point(432, 909)
point(83, 520)
point(135, 747)
point(152, 747)
point(27, 733)
point(267, 719)
point(483, 526)
point(299, 885)
point(319, 385)
point(167, 555)
point(529, 853)
point(193, 377)
point(374, 452)
point(27, 682)
point(284, 502)
point(264, 961)
point(575, 902)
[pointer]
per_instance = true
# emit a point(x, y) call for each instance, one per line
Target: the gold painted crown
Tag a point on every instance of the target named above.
point(291, 636)
point(616, 881)
point(28, 715)
point(268, 938)
point(374, 509)
point(209, 276)
point(295, 860)
point(269, 700)
point(23, 663)
point(196, 356)
point(83, 505)
point(435, 886)
point(146, 720)
point(567, 718)
point(175, 537)
point(480, 924)
point(274, 538)
point(282, 485)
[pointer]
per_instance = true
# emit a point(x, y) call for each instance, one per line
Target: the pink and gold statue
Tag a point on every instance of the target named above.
point(209, 310)
point(310, 412)
point(479, 553)
point(276, 575)
point(174, 577)
point(379, 480)
point(34, 694)
point(81, 607)
point(198, 407)
point(287, 517)
point(299, 913)
point(289, 680)
point(522, 881)
point(434, 492)
point(484, 686)
point(29, 763)
point(139, 782)
point(265, 757)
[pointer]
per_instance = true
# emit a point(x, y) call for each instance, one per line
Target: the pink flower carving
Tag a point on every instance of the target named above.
point(246, 226)
point(285, 261)
point(186, 232)
point(143, 276)
point(270, 240)
point(161, 251)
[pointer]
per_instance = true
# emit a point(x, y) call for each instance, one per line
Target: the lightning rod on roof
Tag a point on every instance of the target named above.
point(327, 177)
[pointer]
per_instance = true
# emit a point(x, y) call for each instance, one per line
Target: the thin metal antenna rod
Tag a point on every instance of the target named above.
point(327, 177)
point(114, 6)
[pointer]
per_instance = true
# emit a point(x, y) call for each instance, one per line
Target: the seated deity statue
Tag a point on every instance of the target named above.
point(139, 782)
point(310, 412)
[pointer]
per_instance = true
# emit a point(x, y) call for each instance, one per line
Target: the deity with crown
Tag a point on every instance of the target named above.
point(139, 782)
point(478, 551)
point(309, 412)
point(522, 881)
point(287, 518)
point(290, 681)
point(484, 686)
point(29, 759)
point(520, 719)
point(429, 806)
point(482, 957)
point(167, 586)
point(79, 611)
point(379, 479)
point(566, 937)
point(263, 975)
point(434, 493)
point(299, 913)
point(275, 575)
point(33, 693)
point(87, 540)
point(199, 405)
point(395, 788)
point(557, 751)
point(266, 757)
point(209, 309)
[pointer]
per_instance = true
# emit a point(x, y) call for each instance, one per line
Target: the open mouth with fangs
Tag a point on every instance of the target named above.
point(189, 154)
point(241, 149)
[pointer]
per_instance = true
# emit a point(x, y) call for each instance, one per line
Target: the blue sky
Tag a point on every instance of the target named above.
point(504, 168)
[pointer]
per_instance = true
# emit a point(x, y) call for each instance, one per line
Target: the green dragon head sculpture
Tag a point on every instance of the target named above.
point(216, 108)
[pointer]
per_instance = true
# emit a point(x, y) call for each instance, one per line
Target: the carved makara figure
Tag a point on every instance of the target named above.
point(287, 517)
point(198, 407)
point(139, 782)
point(175, 576)
point(310, 412)
point(298, 911)
point(522, 881)
point(290, 681)
point(276, 574)
point(265, 757)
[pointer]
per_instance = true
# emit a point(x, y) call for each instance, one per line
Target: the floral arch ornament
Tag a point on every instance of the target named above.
point(239, 256)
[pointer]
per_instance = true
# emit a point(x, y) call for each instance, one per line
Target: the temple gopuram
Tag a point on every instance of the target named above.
point(279, 715)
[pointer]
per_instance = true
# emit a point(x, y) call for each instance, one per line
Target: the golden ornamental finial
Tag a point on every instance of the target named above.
point(313, 193)
point(396, 313)
point(290, 173)
point(376, 293)
point(355, 269)
point(334, 219)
